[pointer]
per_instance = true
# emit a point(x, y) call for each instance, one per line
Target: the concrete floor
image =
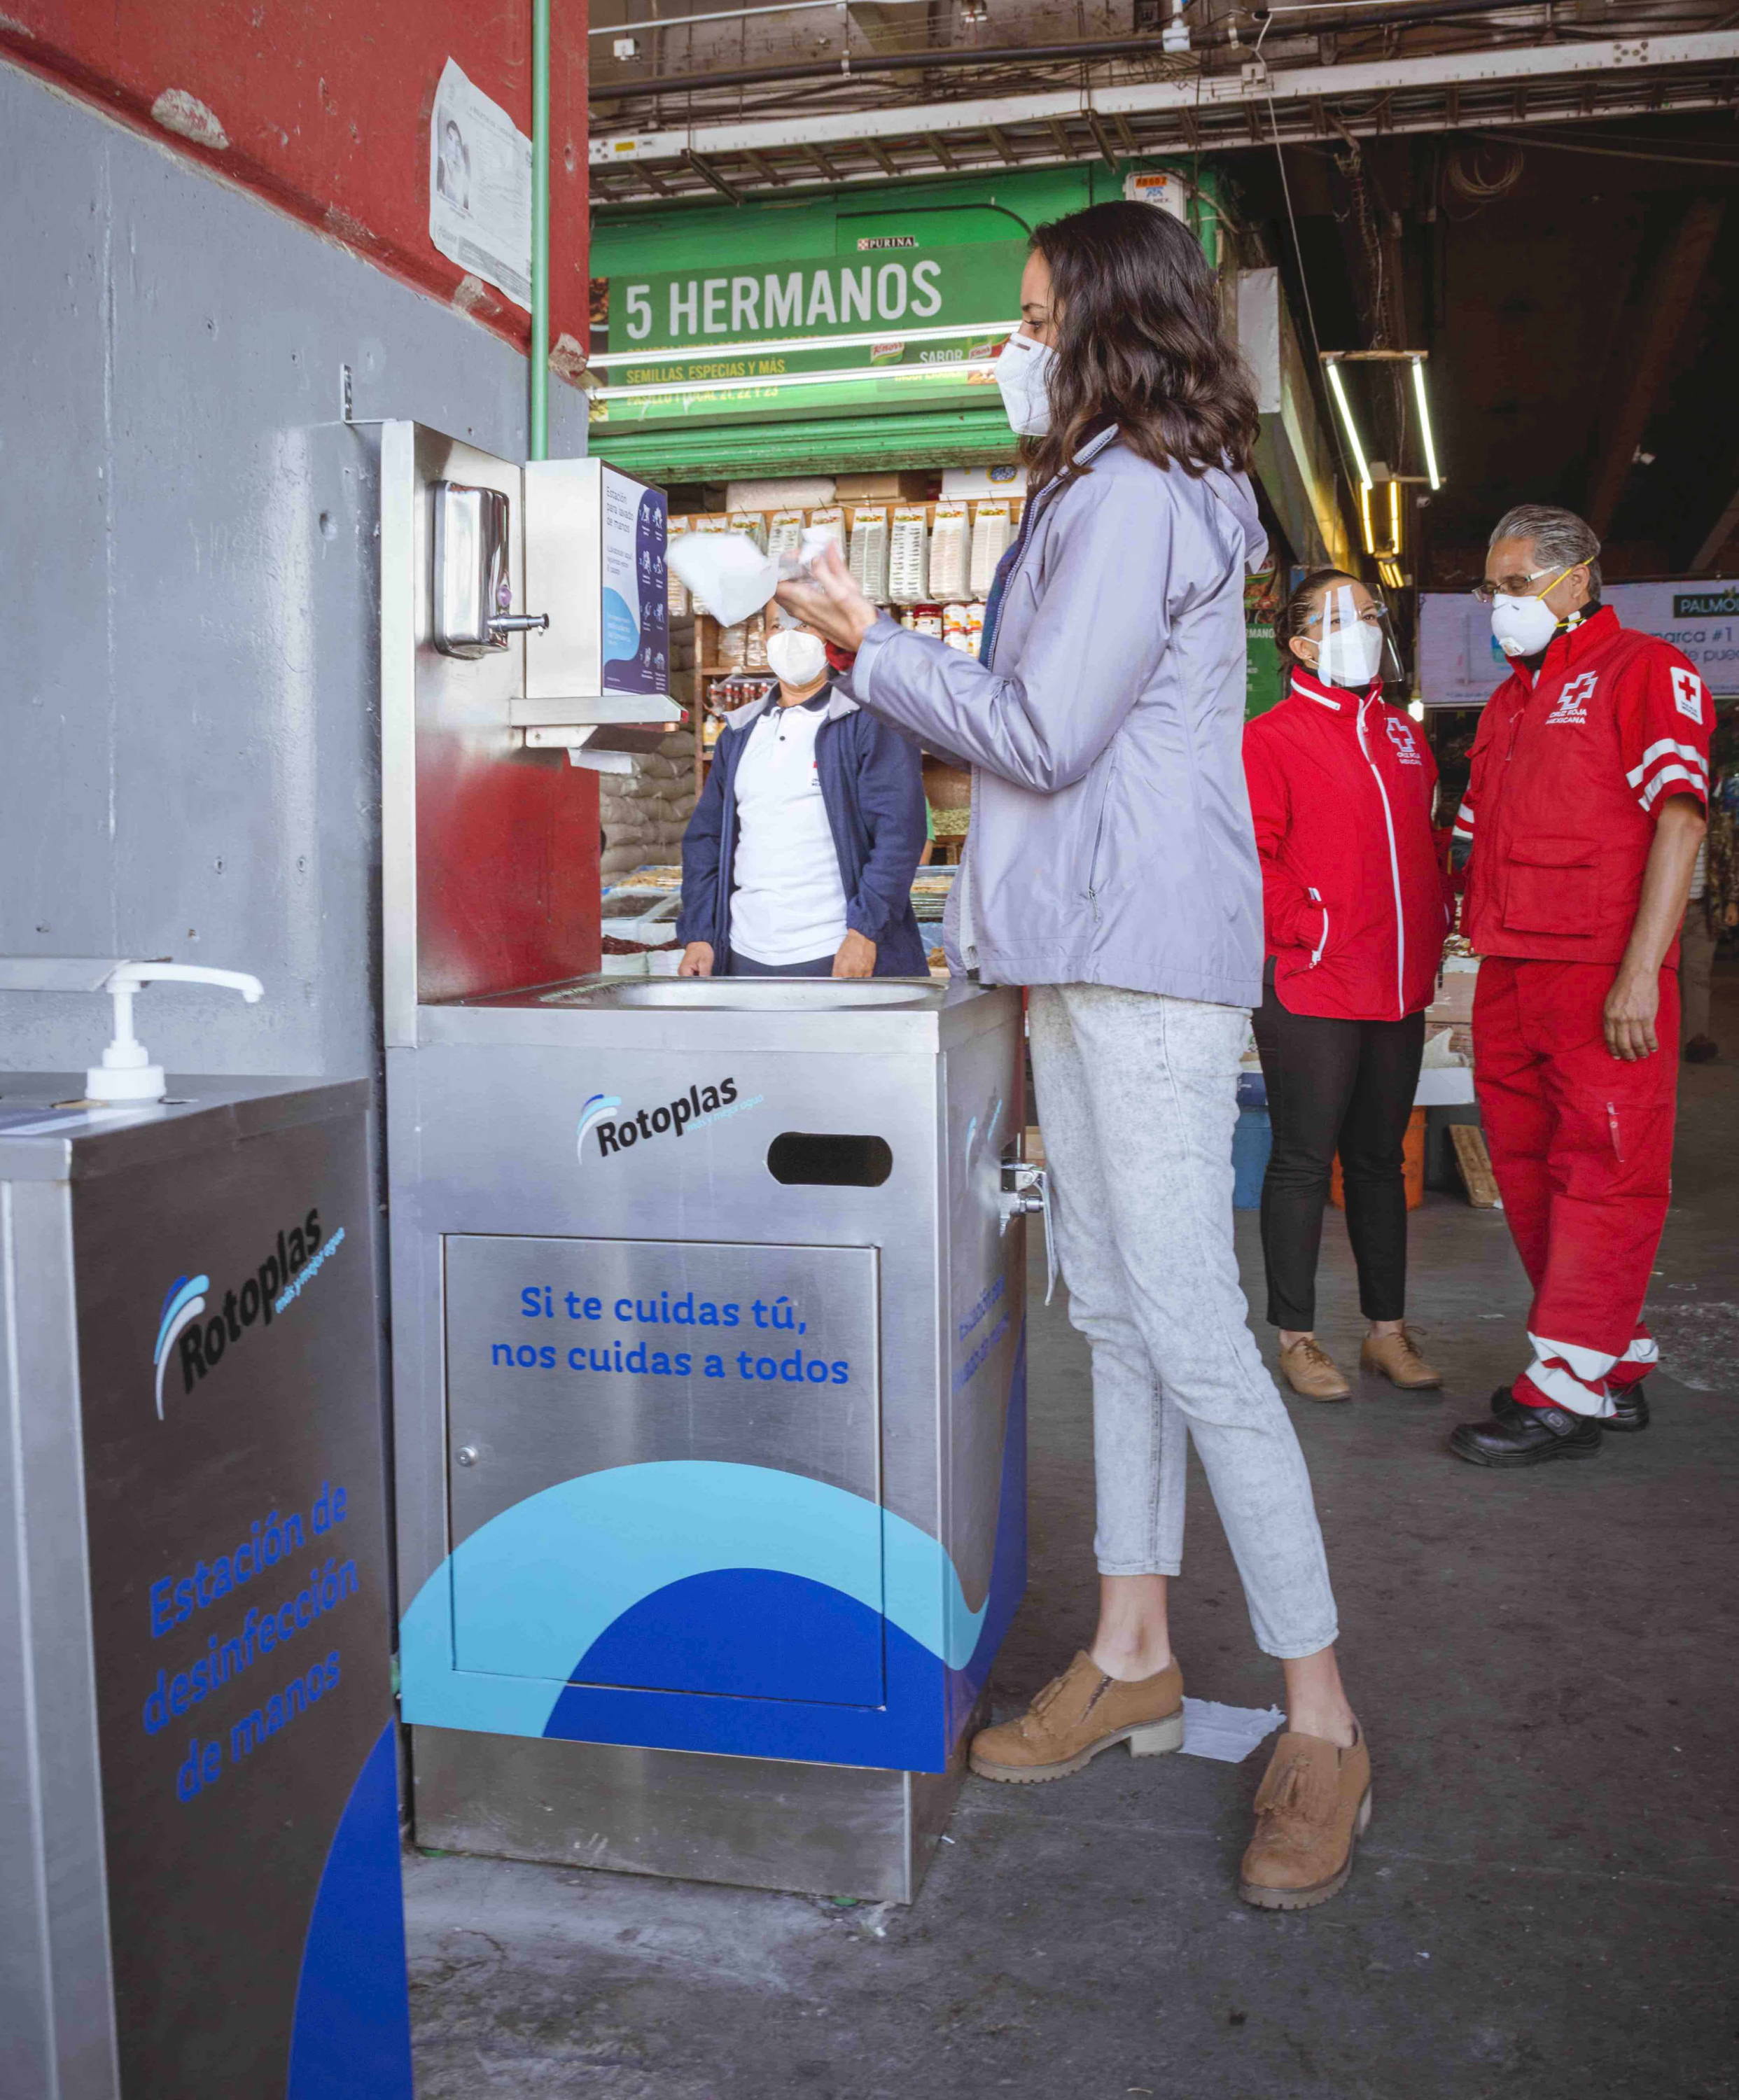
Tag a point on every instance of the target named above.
point(1545, 1905)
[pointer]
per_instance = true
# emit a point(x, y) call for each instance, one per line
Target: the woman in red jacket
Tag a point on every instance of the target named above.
point(1356, 906)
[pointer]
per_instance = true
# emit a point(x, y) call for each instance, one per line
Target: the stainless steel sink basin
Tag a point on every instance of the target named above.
point(750, 994)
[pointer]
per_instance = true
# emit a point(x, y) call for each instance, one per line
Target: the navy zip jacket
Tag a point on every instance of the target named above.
point(872, 790)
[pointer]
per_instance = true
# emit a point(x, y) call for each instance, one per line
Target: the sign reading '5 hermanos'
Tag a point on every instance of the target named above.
point(723, 315)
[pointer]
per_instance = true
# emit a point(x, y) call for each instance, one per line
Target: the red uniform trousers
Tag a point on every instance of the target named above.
point(1581, 1143)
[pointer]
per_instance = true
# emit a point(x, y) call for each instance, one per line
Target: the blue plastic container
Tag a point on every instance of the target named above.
point(1252, 1140)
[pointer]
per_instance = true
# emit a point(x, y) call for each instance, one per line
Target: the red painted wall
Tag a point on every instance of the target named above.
point(324, 108)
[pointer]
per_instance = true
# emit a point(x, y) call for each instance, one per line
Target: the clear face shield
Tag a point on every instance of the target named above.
point(1353, 645)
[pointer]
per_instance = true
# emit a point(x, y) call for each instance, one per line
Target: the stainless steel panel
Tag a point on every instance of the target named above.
point(82, 1145)
point(986, 1285)
point(446, 708)
point(838, 1830)
point(530, 1428)
point(486, 1143)
point(57, 2016)
point(942, 1017)
point(779, 995)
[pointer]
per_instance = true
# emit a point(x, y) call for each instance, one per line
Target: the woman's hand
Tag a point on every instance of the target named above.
point(856, 957)
point(697, 960)
point(831, 603)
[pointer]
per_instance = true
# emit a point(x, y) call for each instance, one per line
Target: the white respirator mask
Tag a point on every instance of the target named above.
point(1350, 653)
point(1023, 379)
point(796, 657)
point(1351, 656)
point(1523, 626)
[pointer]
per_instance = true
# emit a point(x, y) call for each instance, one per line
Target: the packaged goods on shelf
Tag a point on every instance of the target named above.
point(975, 481)
point(787, 492)
point(927, 619)
point(869, 552)
point(834, 518)
point(733, 645)
point(754, 642)
point(949, 552)
point(909, 556)
point(870, 487)
point(975, 627)
point(676, 591)
point(785, 532)
point(753, 522)
point(956, 626)
point(991, 528)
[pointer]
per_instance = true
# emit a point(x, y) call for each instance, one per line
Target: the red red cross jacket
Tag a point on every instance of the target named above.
point(1570, 771)
point(1355, 902)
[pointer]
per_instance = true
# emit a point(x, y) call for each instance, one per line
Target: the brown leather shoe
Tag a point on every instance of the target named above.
point(1396, 1357)
point(1311, 1809)
point(1078, 1714)
point(1312, 1372)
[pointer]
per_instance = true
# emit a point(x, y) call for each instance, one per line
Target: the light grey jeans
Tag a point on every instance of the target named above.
point(1136, 1103)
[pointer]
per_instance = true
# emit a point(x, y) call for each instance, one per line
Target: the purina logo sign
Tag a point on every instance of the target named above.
point(199, 1343)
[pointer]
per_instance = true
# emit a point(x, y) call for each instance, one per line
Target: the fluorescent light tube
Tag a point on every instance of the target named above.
point(1337, 389)
point(1424, 423)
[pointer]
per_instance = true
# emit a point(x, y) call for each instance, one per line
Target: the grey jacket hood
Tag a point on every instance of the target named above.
point(1110, 840)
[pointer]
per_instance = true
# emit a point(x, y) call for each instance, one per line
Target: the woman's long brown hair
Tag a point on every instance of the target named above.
point(1139, 343)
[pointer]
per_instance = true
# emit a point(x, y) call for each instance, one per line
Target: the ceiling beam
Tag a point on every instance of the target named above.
point(1724, 529)
point(1204, 93)
point(1645, 357)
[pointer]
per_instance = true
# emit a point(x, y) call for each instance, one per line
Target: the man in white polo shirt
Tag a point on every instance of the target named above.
point(799, 857)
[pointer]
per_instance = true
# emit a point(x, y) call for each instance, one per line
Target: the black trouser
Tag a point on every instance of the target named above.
point(745, 966)
point(1344, 1085)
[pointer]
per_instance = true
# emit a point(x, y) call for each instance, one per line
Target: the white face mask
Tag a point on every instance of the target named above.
point(1350, 656)
point(1023, 376)
point(795, 657)
point(1522, 626)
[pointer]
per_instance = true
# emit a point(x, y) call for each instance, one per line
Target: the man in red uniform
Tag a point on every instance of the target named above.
point(1585, 809)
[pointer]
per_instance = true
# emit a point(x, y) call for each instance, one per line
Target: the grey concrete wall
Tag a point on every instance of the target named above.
point(188, 540)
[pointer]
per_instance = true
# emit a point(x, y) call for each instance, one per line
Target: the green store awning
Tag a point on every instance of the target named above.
point(839, 444)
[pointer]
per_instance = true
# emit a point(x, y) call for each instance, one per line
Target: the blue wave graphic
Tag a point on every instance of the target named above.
point(774, 1594)
point(183, 1304)
point(351, 2031)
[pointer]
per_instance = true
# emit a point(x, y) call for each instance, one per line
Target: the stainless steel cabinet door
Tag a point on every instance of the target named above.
point(727, 1396)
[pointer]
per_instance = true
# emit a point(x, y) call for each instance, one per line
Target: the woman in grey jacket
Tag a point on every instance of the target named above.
point(1110, 866)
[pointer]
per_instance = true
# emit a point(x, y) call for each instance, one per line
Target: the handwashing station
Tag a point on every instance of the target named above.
point(708, 1309)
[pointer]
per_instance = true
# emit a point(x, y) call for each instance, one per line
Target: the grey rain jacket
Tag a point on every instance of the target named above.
point(1110, 840)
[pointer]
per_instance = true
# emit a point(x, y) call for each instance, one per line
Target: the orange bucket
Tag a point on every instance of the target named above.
point(1412, 1167)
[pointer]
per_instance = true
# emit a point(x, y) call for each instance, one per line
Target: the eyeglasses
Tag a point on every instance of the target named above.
point(1518, 586)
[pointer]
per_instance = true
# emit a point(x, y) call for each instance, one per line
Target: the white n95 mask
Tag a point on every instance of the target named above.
point(1351, 656)
point(1522, 626)
point(1023, 379)
point(795, 657)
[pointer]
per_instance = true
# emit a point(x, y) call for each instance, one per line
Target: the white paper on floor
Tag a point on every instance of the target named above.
point(1227, 1733)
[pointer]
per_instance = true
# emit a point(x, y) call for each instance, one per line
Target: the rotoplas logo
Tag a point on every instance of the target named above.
point(200, 1344)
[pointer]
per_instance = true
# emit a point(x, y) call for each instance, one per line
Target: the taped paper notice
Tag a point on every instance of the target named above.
point(480, 187)
point(1228, 1734)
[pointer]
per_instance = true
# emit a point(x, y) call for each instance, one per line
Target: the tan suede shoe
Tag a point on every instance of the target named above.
point(1396, 1358)
point(1312, 1372)
point(1311, 1809)
point(1078, 1714)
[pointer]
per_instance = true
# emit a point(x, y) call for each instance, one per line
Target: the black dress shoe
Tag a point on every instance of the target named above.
point(1518, 1435)
point(1629, 1416)
point(1629, 1410)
